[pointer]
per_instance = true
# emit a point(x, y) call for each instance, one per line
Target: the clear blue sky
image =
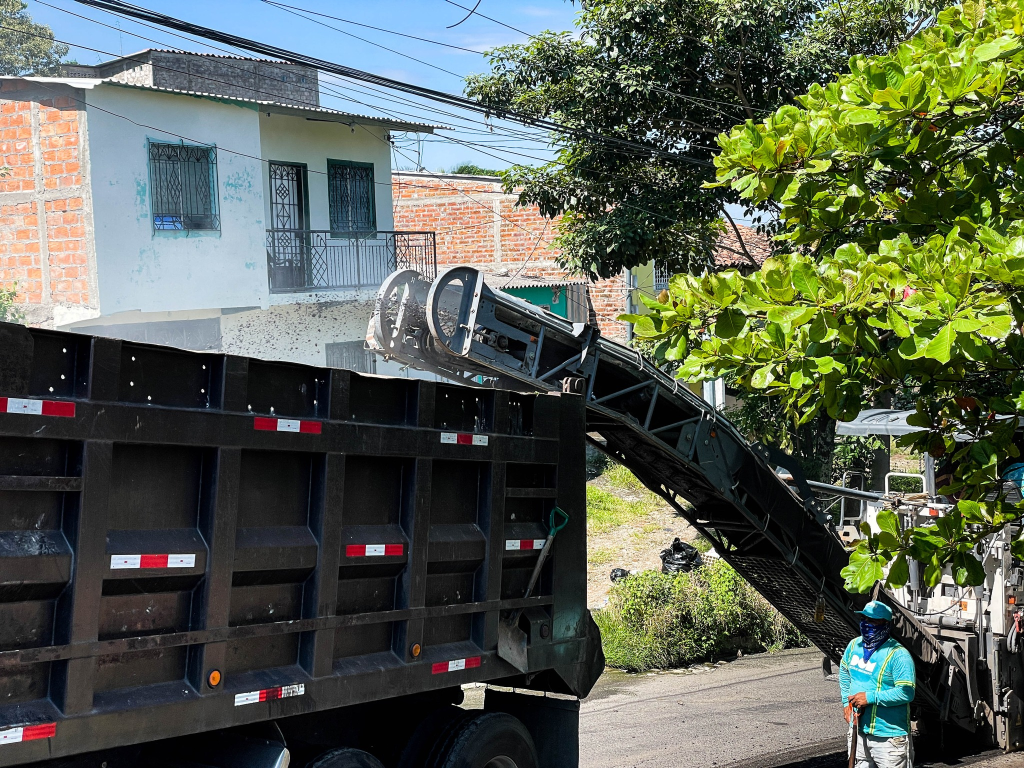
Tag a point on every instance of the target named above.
point(423, 18)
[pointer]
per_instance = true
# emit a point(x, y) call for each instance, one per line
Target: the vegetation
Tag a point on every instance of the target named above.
point(655, 620)
point(671, 76)
point(607, 510)
point(8, 311)
point(27, 48)
point(901, 199)
point(470, 169)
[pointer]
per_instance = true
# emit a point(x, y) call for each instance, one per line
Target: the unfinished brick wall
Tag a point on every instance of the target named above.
point(479, 225)
point(45, 243)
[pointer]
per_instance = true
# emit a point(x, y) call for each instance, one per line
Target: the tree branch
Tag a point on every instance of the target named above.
point(739, 239)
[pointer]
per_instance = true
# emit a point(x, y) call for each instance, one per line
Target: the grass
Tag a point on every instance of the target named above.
point(620, 477)
point(605, 510)
point(659, 621)
point(602, 556)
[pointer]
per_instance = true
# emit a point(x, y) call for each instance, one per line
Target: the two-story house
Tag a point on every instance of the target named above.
point(207, 202)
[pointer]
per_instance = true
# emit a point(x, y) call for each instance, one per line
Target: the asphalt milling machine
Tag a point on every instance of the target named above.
point(772, 526)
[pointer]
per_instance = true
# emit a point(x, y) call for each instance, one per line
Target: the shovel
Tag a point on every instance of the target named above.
point(854, 721)
point(511, 639)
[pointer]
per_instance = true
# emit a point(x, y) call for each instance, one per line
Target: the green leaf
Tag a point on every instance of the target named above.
point(863, 571)
point(967, 569)
point(762, 377)
point(805, 280)
point(730, 323)
point(899, 571)
point(792, 316)
point(644, 326)
point(888, 521)
point(895, 320)
point(941, 345)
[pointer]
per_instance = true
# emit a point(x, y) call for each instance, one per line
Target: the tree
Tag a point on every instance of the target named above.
point(670, 75)
point(8, 313)
point(902, 200)
point(27, 48)
point(471, 169)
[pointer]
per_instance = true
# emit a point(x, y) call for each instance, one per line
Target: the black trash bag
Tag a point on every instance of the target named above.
point(680, 558)
point(618, 574)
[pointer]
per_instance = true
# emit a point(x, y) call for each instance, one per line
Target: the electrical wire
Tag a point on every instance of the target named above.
point(136, 12)
point(659, 215)
point(370, 26)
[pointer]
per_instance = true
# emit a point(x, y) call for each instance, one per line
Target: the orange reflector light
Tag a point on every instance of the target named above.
point(963, 605)
point(214, 678)
point(1012, 600)
point(933, 512)
point(415, 650)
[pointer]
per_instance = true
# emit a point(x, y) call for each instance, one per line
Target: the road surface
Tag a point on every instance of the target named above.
point(764, 711)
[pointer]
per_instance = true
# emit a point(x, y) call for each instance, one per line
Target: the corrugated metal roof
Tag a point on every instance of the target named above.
point(75, 82)
point(279, 106)
point(502, 282)
point(195, 53)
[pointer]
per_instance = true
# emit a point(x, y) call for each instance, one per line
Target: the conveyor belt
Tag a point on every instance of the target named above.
point(675, 443)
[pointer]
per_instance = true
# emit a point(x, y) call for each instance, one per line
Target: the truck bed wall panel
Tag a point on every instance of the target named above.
point(336, 536)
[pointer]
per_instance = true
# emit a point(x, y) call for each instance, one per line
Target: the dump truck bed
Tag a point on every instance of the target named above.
point(305, 538)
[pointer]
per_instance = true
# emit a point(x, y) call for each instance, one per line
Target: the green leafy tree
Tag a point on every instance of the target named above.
point(471, 169)
point(671, 75)
point(900, 189)
point(8, 311)
point(27, 48)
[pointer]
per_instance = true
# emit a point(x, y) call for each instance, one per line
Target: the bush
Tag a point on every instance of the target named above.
point(655, 620)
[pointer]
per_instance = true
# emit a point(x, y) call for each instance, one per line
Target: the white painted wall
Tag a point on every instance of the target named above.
point(296, 140)
point(143, 269)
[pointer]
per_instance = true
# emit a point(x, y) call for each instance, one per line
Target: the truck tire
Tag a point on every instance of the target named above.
point(346, 758)
point(491, 740)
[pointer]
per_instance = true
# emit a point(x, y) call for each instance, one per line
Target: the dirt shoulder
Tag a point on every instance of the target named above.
point(627, 527)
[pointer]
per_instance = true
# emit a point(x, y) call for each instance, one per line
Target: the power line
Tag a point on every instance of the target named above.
point(652, 213)
point(370, 26)
point(287, 9)
point(133, 11)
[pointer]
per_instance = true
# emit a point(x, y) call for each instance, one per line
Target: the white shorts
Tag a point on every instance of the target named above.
point(882, 752)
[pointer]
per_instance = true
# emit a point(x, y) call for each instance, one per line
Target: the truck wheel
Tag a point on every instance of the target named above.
point(346, 758)
point(491, 740)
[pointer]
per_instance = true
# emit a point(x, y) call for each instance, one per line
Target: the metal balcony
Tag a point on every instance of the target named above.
point(321, 260)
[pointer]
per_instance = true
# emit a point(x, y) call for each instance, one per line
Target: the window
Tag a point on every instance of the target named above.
point(351, 355)
point(184, 187)
point(350, 194)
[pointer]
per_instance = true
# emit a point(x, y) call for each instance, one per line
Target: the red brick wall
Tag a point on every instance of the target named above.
point(44, 242)
point(477, 224)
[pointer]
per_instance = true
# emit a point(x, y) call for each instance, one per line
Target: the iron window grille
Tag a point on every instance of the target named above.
point(350, 197)
point(351, 355)
point(183, 178)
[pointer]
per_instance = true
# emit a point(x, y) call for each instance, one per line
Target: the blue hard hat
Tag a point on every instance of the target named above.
point(877, 610)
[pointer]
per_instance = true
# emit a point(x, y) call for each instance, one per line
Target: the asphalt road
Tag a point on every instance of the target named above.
point(764, 711)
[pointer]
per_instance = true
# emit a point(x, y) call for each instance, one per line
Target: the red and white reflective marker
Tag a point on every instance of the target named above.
point(129, 562)
point(374, 550)
point(37, 407)
point(28, 733)
point(455, 666)
point(514, 545)
point(463, 438)
point(269, 694)
point(287, 425)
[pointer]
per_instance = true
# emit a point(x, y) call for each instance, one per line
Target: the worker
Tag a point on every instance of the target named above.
point(877, 681)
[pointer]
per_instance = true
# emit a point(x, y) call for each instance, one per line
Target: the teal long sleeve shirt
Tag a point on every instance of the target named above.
point(888, 680)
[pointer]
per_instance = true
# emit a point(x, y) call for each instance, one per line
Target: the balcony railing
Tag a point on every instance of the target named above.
point(320, 260)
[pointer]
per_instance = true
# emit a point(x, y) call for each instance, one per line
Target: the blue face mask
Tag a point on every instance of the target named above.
point(874, 635)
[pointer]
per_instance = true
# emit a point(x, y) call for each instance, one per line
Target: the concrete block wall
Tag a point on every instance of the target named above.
point(478, 224)
point(46, 247)
point(235, 77)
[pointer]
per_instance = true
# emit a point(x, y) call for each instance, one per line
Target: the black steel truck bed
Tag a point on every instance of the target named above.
point(304, 538)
